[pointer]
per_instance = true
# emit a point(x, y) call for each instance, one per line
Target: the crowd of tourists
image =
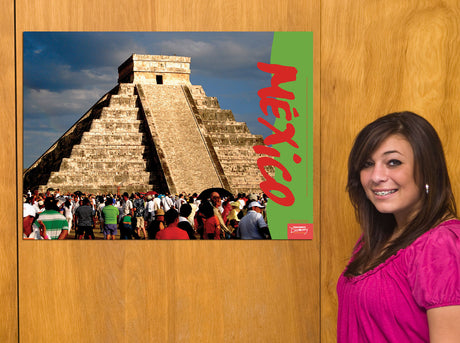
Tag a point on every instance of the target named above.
point(213, 214)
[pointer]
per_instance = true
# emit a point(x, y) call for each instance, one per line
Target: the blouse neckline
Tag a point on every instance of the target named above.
point(396, 255)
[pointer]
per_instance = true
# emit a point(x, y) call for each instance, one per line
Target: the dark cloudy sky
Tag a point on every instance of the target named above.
point(65, 73)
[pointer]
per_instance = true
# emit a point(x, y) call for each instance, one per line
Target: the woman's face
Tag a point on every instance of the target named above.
point(388, 180)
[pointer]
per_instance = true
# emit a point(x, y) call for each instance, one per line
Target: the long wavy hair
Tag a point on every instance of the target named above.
point(430, 169)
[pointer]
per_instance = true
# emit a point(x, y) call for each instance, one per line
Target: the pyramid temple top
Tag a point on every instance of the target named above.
point(155, 69)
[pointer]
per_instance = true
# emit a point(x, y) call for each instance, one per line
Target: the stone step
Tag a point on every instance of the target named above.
point(96, 138)
point(125, 114)
point(227, 127)
point(239, 174)
point(101, 125)
point(244, 178)
point(207, 102)
point(126, 89)
point(241, 165)
point(99, 166)
point(101, 188)
point(243, 162)
point(237, 140)
point(242, 169)
point(232, 135)
point(110, 177)
point(243, 184)
point(135, 173)
point(110, 158)
point(219, 115)
point(123, 101)
point(238, 156)
point(108, 152)
point(243, 153)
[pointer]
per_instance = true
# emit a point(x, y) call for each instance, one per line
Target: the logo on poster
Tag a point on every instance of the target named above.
point(300, 231)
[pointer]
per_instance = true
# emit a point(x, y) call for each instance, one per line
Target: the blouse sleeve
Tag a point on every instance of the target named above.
point(435, 269)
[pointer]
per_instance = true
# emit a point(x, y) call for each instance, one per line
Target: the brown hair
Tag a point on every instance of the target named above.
point(429, 168)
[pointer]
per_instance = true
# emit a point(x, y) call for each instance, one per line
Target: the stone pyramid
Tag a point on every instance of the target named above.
point(153, 131)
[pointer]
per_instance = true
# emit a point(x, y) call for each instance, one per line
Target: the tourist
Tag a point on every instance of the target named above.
point(241, 200)
point(126, 228)
point(127, 207)
point(156, 203)
point(110, 214)
point(84, 219)
point(40, 206)
point(100, 218)
point(138, 210)
point(55, 223)
point(150, 209)
point(166, 202)
point(253, 225)
point(216, 202)
point(232, 219)
point(184, 224)
point(209, 222)
point(179, 201)
point(157, 224)
point(191, 217)
point(233, 214)
point(29, 214)
point(67, 206)
point(172, 231)
point(403, 281)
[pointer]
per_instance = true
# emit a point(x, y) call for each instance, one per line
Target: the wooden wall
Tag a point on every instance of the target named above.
point(371, 57)
point(8, 238)
point(379, 57)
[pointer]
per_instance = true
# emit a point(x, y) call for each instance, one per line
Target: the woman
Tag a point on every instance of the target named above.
point(211, 226)
point(68, 213)
point(403, 281)
point(157, 224)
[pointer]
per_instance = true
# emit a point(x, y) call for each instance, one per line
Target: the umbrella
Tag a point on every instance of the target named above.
point(206, 194)
point(151, 193)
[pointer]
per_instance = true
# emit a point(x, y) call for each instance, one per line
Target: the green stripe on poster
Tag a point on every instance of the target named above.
point(289, 99)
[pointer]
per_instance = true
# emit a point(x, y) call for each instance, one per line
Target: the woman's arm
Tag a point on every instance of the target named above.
point(444, 324)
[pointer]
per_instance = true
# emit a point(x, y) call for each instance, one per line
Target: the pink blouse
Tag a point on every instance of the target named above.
point(389, 302)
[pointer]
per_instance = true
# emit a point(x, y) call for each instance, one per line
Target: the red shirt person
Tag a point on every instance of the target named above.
point(172, 231)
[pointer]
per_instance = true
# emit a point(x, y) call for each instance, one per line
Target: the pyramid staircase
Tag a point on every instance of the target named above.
point(232, 141)
point(112, 153)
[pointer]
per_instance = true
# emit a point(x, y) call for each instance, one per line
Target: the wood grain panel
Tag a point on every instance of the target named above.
point(162, 15)
point(379, 57)
point(9, 201)
point(170, 291)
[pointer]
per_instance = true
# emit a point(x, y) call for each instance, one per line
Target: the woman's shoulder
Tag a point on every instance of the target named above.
point(453, 223)
point(442, 240)
point(448, 230)
point(443, 235)
point(435, 263)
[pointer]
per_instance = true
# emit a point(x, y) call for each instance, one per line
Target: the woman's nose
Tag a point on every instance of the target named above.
point(379, 173)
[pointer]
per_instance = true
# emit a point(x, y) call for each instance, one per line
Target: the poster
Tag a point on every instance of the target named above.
point(279, 102)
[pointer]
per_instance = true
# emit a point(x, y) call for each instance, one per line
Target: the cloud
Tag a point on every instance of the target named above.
point(69, 60)
point(65, 76)
point(224, 58)
point(59, 110)
point(37, 140)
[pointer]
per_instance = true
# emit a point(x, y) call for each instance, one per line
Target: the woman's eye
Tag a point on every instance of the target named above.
point(367, 164)
point(394, 163)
